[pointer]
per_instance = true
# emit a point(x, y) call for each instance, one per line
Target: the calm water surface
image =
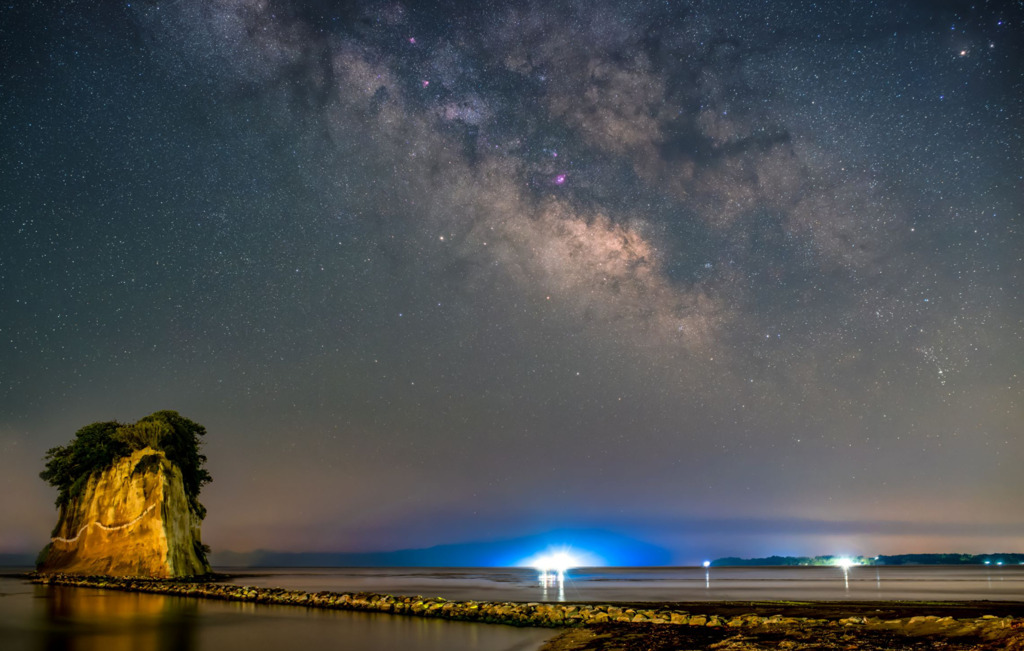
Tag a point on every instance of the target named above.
point(942, 583)
point(34, 618)
point(50, 617)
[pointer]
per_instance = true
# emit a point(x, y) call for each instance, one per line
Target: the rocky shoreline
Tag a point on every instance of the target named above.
point(727, 626)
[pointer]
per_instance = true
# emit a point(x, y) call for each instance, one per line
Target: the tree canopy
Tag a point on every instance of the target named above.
point(97, 446)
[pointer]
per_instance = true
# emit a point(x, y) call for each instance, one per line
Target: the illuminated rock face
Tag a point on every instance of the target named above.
point(133, 519)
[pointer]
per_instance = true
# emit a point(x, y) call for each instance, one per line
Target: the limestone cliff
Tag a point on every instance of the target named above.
point(132, 519)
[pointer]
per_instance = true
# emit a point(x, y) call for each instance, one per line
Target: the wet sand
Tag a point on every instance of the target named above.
point(637, 637)
point(807, 626)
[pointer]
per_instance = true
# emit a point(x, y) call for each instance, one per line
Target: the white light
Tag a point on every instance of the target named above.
point(560, 560)
point(846, 563)
point(707, 563)
point(555, 562)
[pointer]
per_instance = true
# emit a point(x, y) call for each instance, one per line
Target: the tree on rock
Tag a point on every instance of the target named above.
point(97, 446)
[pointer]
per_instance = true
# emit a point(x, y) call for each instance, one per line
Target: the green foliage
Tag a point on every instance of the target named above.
point(952, 559)
point(202, 551)
point(96, 447)
point(143, 434)
point(180, 443)
point(69, 467)
point(43, 554)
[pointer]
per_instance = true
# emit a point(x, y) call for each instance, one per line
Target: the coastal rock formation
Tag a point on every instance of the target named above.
point(131, 519)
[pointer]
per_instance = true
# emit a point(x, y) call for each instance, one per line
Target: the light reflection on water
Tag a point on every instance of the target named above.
point(859, 583)
point(549, 581)
point(55, 617)
point(112, 621)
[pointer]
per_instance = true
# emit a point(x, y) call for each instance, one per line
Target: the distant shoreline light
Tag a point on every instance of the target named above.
point(907, 560)
point(560, 560)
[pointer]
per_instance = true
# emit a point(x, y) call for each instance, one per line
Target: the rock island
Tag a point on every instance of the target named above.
point(128, 500)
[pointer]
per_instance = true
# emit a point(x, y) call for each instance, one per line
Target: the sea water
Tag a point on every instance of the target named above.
point(33, 618)
point(53, 617)
point(858, 583)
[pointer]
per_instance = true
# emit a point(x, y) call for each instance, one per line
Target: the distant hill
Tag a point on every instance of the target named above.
point(896, 559)
point(18, 560)
point(613, 549)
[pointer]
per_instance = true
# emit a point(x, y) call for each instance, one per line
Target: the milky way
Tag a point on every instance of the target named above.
point(721, 278)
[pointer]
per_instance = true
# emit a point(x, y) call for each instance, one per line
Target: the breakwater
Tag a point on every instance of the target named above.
point(540, 614)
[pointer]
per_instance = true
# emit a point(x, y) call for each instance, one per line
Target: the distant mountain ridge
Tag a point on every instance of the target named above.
point(18, 560)
point(893, 559)
point(613, 549)
point(427, 558)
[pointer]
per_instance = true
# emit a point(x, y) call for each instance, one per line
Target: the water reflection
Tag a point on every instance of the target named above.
point(549, 580)
point(926, 583)
point(33, 618)
point(107, 620)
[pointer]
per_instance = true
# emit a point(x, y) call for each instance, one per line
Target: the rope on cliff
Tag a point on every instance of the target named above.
point(103, 526)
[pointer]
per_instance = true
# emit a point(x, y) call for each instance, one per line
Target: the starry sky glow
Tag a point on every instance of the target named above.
point(727, 278)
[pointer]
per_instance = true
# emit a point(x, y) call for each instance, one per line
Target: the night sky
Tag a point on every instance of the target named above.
point(724, 278)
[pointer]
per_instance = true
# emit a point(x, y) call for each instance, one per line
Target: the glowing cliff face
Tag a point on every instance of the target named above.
point(132, 519)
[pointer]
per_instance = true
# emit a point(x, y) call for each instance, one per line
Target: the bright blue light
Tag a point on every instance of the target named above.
point(598, 548)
